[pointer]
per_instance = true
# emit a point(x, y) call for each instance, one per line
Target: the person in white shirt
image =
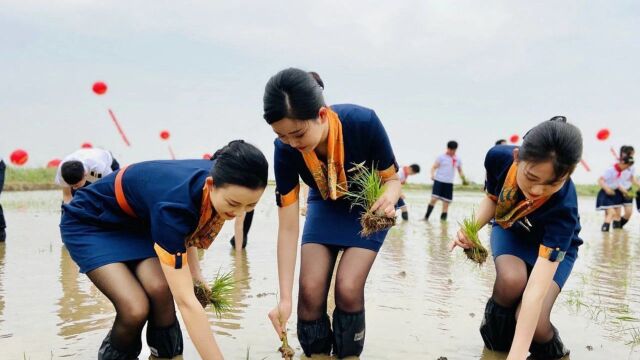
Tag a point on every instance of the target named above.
point(82, 168)
point(627, 181)
point(443, 173)
point(610, 198)
point(3, 224)
point(403, 175)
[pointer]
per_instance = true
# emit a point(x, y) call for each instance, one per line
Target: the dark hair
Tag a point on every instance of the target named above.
point(72, 172)
point(501, 142)
point(453, 145)
point(627, 160)
point(415, 168)
point(626, 150)
point(553, 140)
point(294, 94)
point(240, 163)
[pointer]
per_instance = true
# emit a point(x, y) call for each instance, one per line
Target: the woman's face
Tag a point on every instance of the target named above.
point(230, 201)
point(304, 135)
point(537, 180)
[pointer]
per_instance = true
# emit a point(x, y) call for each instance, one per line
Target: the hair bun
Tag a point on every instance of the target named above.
point(223, 149)
point(559, 118)
point(317, 78)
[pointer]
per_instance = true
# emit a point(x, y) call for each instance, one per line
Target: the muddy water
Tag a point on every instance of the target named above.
point(422, 301)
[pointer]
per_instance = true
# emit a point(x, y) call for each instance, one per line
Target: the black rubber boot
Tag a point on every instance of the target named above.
point(108, 352)
point(605, 227)
point(315, 336)
point(429, 211)
point(623, 222)
point(498, 326)
point(165, 342)
point(443, 216)
point(554, 349)
point(405, 215)
point(616, 225)
point(348, 333)
point(246, 225)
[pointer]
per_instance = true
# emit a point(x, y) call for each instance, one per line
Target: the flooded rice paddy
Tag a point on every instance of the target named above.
point(422, 301)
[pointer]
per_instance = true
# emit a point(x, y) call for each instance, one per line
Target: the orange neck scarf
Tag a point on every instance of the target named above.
point(330, 177)
point(209, 224)
point(508, 209)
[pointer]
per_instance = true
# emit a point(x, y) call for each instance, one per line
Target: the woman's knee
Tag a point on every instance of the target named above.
point(349, 295)
point(509, 287)
point(133, 311)
point(158, 291)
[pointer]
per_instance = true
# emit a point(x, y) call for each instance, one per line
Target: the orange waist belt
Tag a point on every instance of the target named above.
point(120, 197)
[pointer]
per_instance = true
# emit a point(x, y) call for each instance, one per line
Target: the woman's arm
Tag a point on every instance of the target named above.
point(604, 186)
point(66, 195)
point(288, 231)
point(534, 295)
point(238, 231)
point(194, 265)
point(435, 167)
point(194, 316)
point(486, 211)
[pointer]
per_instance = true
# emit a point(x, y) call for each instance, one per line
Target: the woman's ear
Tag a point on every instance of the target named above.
point(209, 182)
point(322, 114)
point(516, 154)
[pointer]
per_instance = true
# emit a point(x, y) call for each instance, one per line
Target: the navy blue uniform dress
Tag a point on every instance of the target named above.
point(334, 222)
point(166, 197)
point(555, 225)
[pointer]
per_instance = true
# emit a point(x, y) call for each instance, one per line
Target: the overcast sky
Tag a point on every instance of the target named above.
point(473, 71)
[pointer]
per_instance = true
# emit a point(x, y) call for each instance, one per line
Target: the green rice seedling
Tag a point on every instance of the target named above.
point(477, 253)
point(218, 293)
point(368, 187)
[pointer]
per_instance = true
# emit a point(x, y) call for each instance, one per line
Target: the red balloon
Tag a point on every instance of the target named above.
point(514, 138)
point(603, 134)
point(54, 163)
point(206, 156)
point(164, 135)
point(19, 157)
point(86, 145)
point(99, 88)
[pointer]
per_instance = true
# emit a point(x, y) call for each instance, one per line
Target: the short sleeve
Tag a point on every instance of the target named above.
point(559, 231)
point(491, 179)
point(381, 151)
point(287, 179)
point(458, 163)
point(170, 225)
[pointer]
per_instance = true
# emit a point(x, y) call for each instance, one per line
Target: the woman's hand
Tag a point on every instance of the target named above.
point(279, 317)
point(385, 205)
point(609, 191)
point(461, 239)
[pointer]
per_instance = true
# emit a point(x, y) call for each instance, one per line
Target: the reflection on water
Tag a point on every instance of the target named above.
point(422, 301)
point(82, 308)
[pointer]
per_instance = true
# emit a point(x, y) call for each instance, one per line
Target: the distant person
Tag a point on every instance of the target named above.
point(535, 239)
point(3, 224)
point(501, 142)
point(82, 168)
point(611, 196)
point(443, 173)
point(627, 181)
point(241, 228)
point(403, 175)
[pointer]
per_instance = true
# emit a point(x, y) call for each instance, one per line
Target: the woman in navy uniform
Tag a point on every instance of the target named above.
point(320, 144)
point(135, 235)
point(534, 240)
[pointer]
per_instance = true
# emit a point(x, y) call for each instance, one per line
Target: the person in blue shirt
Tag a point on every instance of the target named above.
point(136, 233)
point(534, 239)
point(320, 144)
